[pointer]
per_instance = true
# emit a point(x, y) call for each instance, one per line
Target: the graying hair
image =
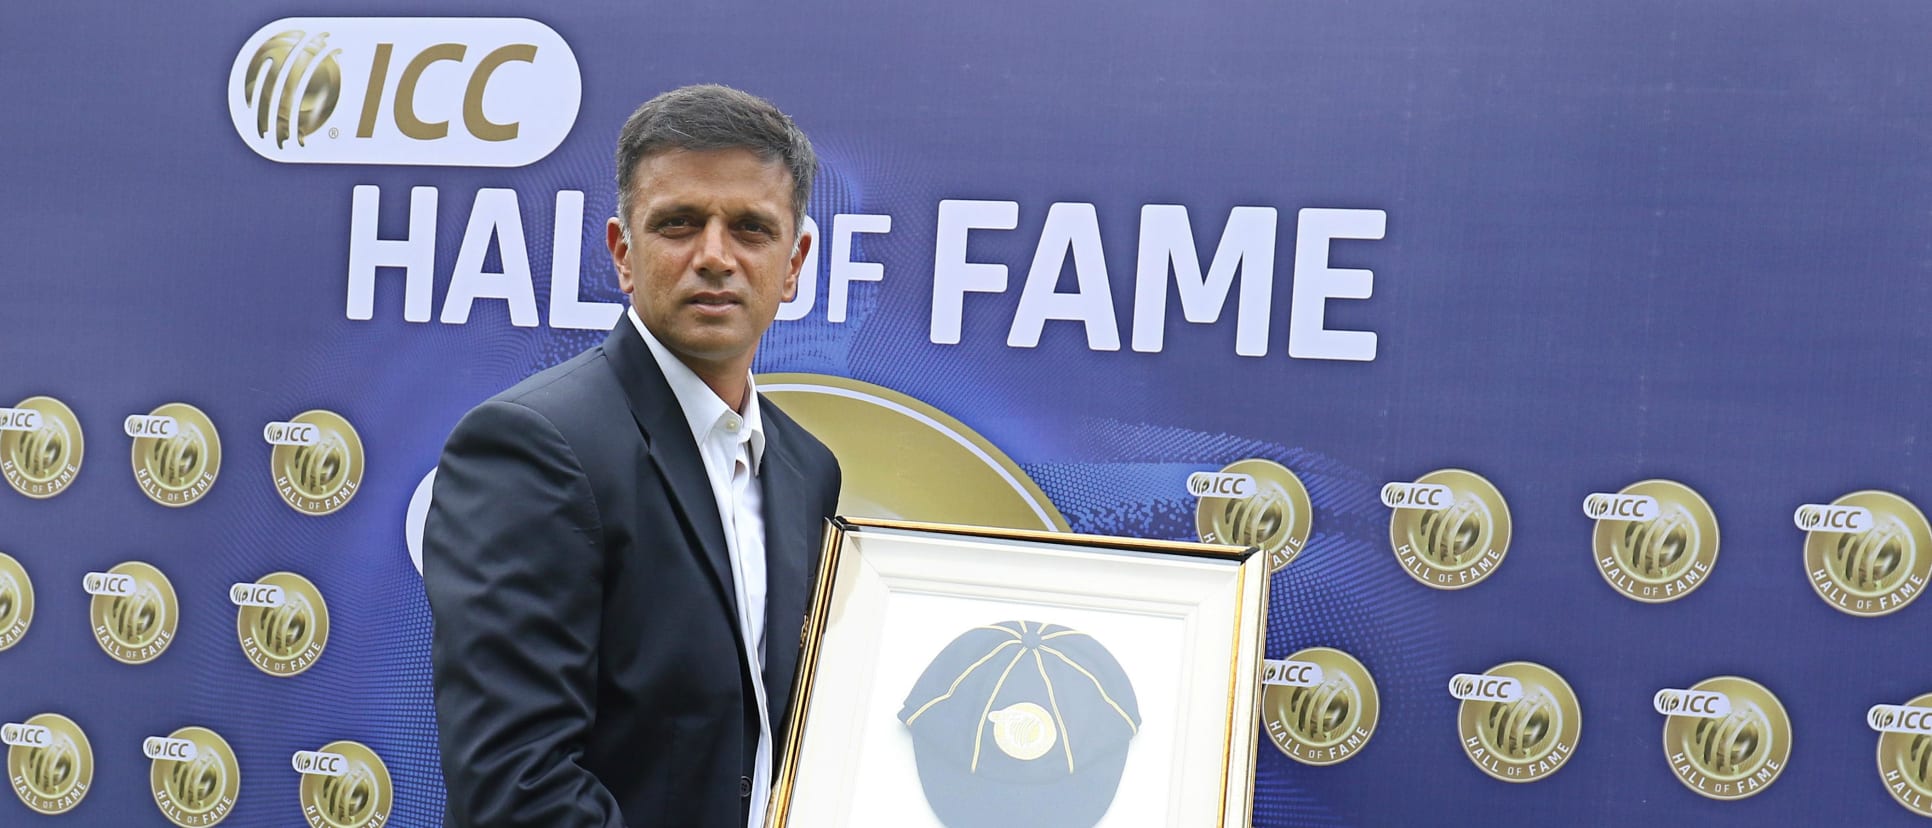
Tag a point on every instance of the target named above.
point(713, 117)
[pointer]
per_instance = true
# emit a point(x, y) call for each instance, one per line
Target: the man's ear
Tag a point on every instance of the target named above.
point(800, 251)
point(620, 251)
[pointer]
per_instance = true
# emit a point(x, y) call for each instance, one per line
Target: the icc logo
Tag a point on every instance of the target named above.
point(49, 761)
point(1253, 502)
point(317, 462)
point(1450, 528)
point(1905, 751)
point(1868, 553)
point(40, 446)
point(1319, 706)
point(134, 611)
point(1519, 722)
point(283, 623)
point(1725, 737)
point(1655, 541)
point(344, 785)
point(490, 92)
point(177, 453)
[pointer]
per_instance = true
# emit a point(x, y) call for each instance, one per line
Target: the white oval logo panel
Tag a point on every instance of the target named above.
point(442, 91)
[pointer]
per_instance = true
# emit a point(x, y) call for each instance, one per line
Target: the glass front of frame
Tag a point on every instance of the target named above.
point(957, 677)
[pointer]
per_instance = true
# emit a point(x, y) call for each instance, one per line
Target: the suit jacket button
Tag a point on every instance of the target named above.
point(744, 787)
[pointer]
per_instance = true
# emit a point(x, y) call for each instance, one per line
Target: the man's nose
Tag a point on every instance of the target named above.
point(714, 250)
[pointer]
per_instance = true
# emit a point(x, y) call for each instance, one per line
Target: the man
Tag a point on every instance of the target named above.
point(620, 549)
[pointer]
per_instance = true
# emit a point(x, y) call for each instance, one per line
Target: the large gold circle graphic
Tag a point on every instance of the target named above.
point(198, 792)
point(53, 778)
point(360, 798)
point(1878, 571)
point(905, 459)
point(1327, 723)
point(1664, 558)
point(43, 462)
point(1276, 517)
point(178, 470)
point(1905, 765)
point(16, 601)
point(136, 628)
point(1524, 740)
point(1734, 756)
point(286, 640)
point(321, 478)
point(1459, 546)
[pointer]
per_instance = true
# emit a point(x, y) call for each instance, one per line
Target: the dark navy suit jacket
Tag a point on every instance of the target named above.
point(588, 671)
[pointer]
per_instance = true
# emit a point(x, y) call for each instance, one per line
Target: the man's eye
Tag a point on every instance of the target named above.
point(757, 227)
point(673, 223)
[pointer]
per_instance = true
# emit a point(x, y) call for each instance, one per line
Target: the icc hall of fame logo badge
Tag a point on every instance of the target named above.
point(176, 453)
point(1868, 553)
point(134, 611)
point(1319, 705)
point(1905, 751)
point(282, 621)
point(1519, 721)
point(344, 785)
point(194, 776)
point(1725, 737)
point(317, 462)
point(41, 446)
point(50, 764)
point(1450, 528)
point(1253, 502)
point(1655, 540)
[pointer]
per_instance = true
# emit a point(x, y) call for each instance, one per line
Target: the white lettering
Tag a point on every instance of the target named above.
point(952, 276)
point(414, 253)
point(493, 214)
point(1316, 283)
point(1247, 243)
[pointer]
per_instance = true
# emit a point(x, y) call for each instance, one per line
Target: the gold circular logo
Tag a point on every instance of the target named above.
point(1023, 731)
point(1458, 545)
point(288, 639)
point(137, 626)
point(1876, 571)
point(42, 462)
point(176, 469)
point(289, 55)
point(1655, 541)
point(1905, 763)
point(1527, 739)
point(200, 791)
point(1275, 517)
point(1329, 721)
point(924, 464)
point(1735, 755)
point(321, 477)
point(16, 601)
point(53, 776)
point(360, 797)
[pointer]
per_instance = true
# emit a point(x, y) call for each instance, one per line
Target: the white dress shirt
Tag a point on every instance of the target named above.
point(732, 445)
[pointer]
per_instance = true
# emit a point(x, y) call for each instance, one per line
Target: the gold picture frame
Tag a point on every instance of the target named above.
point(1126, 674)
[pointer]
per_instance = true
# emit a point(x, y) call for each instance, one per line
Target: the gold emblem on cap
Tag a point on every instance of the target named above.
point(1666, 557)
point(1524, 740)
point(289, 639)
point(1877, 571)
point(136, 628)
point(1275, 518)
point(1734, 756)
point(360, 798)
point(321, 478)
point(1328, 723)
point(1023, 731)
point(16, 601)
point(1455, 547)
point(198, 792)
point(1905, 764)
point(53, 778)
point(43, 462)
point(178, 470)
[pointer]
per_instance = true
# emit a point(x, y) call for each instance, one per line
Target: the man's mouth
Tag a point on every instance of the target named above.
point(712, 302)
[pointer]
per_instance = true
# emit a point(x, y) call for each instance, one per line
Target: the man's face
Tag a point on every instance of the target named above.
point(713, 250)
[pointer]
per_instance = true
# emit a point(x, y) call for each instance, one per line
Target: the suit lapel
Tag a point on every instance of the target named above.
point(675, 453)
point(788, 556)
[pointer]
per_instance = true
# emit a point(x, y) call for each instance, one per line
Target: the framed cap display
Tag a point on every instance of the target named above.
point(965, 677)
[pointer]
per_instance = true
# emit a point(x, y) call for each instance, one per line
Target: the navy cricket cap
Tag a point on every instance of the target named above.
point(1021, 724)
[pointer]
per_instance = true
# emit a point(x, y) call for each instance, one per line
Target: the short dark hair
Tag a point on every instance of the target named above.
point(713, 117)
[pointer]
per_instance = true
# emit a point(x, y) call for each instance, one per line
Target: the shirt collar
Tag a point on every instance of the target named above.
point(704, 411)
